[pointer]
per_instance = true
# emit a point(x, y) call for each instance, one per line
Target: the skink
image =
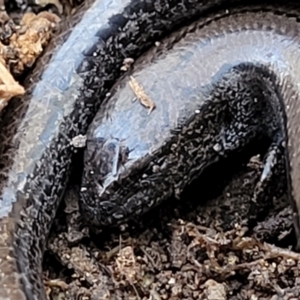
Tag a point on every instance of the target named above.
point(63, 96)
point(229, 81)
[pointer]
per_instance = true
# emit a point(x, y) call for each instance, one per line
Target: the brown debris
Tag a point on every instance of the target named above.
point(213, 291)
point(55, 286)
point(29, 42)
point(206, 253)
point(9, 88)
point(127, 64)
point(24, 44)
point(141, 94)
point(126, 264)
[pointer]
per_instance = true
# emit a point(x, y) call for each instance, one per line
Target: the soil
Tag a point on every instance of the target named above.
point(197, 248)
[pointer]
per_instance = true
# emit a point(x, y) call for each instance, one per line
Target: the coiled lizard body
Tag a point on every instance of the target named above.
point(36, 158)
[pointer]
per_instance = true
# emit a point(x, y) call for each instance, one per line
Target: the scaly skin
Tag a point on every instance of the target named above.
point(63, 96)
point(224, 84)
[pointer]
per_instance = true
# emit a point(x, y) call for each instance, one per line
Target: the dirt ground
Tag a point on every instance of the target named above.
point(197, 248)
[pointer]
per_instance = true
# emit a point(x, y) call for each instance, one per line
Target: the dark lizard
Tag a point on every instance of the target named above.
point(230, 80)
point(63, 96)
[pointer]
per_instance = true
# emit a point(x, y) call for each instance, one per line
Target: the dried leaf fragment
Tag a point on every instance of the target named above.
point(29, 42)
point(9, 88)
point(25, 44)
point(141, 94)
point(57, 283)
point(126, 263)
point(214, 290)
